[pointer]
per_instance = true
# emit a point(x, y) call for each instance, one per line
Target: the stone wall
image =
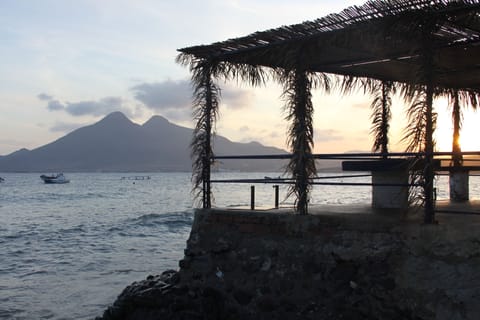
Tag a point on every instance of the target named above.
point(265, 265)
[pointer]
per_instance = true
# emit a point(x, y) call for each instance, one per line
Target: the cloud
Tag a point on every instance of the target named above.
point(173, 99)
point(44, 97)
point(164, 95)
point(275, 134)
point(236, 98)
point(327, 135)
point(178, 114)
point(55, 105)
point(12, 142)
point(97, 108)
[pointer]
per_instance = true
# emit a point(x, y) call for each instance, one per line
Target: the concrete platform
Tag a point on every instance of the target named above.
point(384, 264)
point(464, 214)
point(471, 207)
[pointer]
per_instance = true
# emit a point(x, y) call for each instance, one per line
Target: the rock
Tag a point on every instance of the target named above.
point(266, 304)
point(267, 263)
point(213, 303)
point(221, 246)
point(242, 297)
point(185, 263)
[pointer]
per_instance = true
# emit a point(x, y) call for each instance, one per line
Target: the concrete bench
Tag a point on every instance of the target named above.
point(389, 179)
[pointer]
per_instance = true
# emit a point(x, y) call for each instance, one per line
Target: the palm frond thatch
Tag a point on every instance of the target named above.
point(206, 97)
point(417, 118)
point(381, 116)
point(419, 139)
point(299, 111)
point(206, 100)
point(392, 29)
point(350, 84)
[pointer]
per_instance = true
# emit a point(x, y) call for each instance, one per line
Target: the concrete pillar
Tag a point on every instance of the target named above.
point(459, 185)
point(390, 197)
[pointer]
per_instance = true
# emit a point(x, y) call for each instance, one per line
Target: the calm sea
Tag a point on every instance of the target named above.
point(67, 251)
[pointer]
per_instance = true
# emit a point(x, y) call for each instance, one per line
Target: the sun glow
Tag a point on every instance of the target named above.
point(469, 134)
point(469, 139)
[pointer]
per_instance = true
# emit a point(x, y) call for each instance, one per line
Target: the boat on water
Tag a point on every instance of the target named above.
point(137, 178)
point(272, 178)
point(54, 178)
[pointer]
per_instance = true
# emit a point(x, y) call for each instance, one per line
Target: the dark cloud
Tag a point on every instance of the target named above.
point(174, 98)
point(100, 107)
point(55, 105)
point(164, 95)
point(327, 135)
point(96, 108)
point(44, 97)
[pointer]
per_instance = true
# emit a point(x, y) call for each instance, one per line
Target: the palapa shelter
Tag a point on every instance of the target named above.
point(422, 49)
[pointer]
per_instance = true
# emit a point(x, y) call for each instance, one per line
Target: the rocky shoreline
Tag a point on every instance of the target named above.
point(163, 297)
point(276, 266)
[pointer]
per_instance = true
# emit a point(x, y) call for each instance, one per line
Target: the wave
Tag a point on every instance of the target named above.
point(81, 228)
point(49, 197)
point(118, 271)
point(9, 312)
point(31, 273)
point(171, 220)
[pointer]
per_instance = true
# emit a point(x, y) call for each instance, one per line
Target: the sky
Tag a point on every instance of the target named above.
point(66, 64)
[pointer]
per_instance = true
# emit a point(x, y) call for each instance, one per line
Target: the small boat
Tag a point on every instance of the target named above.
point(136, 178)
point(272, 178)
point(54, 178)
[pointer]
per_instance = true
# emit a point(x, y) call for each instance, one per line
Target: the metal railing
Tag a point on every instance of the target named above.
point(471, 157)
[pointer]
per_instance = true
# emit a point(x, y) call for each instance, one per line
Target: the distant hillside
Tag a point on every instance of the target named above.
point(117, 144)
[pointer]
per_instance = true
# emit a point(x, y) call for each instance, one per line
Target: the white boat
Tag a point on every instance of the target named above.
point(54, 178)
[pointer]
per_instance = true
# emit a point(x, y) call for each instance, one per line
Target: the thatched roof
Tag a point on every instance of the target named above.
point(384, 40)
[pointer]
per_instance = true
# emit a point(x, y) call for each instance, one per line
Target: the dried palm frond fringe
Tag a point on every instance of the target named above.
point(297, 86)
point(299, 109)
point(206, 96)
point(381, 116)
point(206, 99)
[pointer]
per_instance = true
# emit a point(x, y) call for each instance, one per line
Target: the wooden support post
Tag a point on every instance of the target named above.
point(252, 197)
point(207, 203)
point(428, 172)
point(275, 187)
point(302, 164)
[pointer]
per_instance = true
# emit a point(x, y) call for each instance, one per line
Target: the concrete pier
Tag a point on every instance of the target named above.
point(389, 179)
point(339, 262)
point(459, 185)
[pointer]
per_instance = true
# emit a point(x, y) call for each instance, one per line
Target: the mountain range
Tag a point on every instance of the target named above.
point(117, 144)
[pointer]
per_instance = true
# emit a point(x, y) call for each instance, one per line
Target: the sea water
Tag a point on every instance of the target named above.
point(68, 250)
